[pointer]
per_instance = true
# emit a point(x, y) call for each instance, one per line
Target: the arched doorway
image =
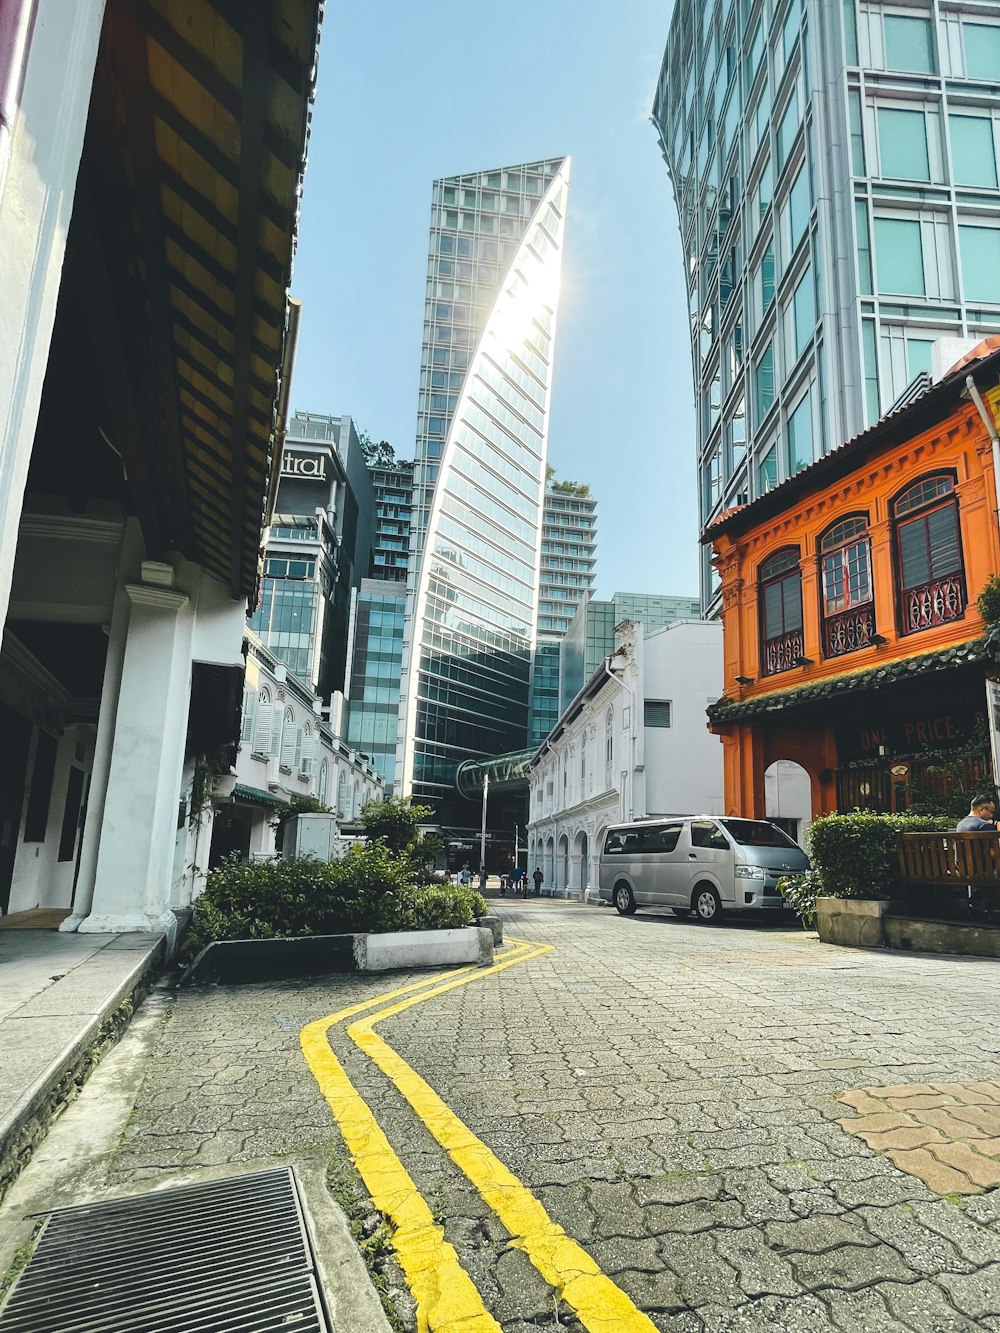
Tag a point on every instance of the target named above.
point(550, 866)
point(788, 797)
point(562, 874)
point(581, 861)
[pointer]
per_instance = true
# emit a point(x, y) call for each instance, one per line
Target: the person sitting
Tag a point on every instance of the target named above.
point(981, 817)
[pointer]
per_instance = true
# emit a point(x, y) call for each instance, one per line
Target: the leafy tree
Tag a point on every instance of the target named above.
point(395, 821)
point(381, 454)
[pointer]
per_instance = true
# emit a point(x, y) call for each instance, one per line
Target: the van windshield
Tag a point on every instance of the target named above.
point(757, 833)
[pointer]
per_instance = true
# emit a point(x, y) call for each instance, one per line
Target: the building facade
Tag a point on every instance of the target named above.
point(318, 550)
point(569, 554)
point(835, 173)
point(854, 655)
point(287, 748)
point(632, 743)
point(591, 635)
point(377, 619)
point(479, 475)
point(392, 488)
point(143, 395)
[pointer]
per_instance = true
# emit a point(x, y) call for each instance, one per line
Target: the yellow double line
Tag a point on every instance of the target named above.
point(444, 1293)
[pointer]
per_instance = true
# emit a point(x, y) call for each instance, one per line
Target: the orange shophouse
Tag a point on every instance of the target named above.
point(855, 674)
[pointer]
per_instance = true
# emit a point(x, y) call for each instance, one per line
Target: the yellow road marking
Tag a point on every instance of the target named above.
point(443, 1291)
point(601, 1306)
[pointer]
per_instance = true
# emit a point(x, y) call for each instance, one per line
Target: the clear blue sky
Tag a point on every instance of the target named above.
point(409, 92)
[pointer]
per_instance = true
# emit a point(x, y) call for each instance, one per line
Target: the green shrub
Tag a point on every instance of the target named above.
point(370, 889)
point(854, 855)
point(801, 891)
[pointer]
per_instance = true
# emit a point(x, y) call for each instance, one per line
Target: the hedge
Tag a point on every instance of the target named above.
point(854, 855)
point(371, 889)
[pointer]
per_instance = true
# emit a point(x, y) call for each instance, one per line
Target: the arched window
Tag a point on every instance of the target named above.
point(265, 718)
point(845, 555)
point(356, 801)
point(609, 747)
point(306, 760)
point(342, 809)
point(323, 782)
point(583, 766)
point(928, 543)
point(780, 584)
point(287, 751)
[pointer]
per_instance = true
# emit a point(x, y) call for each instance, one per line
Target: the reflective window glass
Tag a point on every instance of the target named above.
point(767, 471)
point(973, 154)
point(980, 249)
point(788, 128)
point(800, 436)
point(909, 43)
point(982, 50)
point(900, 257)
point(764, 382)
point(902, 139)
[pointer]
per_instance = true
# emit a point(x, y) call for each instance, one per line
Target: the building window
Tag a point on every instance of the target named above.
point(980, 249)
point(763, 375)
point(767, 471)
point(982, 50)
point(973, 152)
point(656, 713)
point(780, 582)
point(609, 746)
point(800, 435)
point(848, 599)
point(909, 43)
point(902, 138)
point(900, 256)
point(929, 555)
point(262, 731)
point(800, 317)
point(286, 751)
point(323, 782)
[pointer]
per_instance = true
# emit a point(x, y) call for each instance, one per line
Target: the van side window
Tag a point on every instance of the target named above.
point(661, 837)
point(621, 842)
point(706, 834)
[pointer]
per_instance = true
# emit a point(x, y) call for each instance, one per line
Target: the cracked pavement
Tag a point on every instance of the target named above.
point(669, 1092)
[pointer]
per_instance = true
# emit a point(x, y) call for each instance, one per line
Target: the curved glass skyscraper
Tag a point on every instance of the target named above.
point(492, 294)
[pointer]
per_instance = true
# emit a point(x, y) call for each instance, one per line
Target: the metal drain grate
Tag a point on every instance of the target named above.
point(232, 1256)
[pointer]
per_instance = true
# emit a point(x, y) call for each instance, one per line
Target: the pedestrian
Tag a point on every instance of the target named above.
point(518, 876)
point(504, 880)
point(539, 879)
point(982, 816)
point(465, 875)
point(482, 879)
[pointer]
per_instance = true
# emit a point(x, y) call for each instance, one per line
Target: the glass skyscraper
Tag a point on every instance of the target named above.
point(835, 169)
point(490, 313)
point(569, 543)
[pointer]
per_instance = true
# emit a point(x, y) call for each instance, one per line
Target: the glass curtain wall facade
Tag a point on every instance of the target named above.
point(376, 664)
point(835, 170)
point(492, 295)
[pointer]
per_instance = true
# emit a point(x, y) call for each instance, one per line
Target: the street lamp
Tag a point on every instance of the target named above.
point(482, 836)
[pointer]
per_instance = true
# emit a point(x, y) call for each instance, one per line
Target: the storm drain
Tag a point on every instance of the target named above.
point(232, 1256)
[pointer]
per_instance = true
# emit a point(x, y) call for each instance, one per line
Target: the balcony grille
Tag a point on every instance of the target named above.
point(849, 630)
point(781, 653)
point(934, 603)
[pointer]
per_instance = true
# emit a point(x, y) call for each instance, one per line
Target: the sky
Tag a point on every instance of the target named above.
point(409, 92)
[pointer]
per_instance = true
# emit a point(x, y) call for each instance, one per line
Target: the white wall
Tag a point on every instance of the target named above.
point(683, 664)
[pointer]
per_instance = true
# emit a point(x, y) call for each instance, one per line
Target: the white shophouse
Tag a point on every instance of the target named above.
point(634, 742)
point(151, 161)
point(287, 748)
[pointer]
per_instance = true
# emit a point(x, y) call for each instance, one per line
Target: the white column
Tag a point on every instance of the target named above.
point(135, 859)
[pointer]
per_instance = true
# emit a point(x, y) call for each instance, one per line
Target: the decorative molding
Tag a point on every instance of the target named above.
point(158, 599)
point(72, 527)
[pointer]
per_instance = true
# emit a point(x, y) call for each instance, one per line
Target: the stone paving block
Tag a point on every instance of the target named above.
point(912, 1136)
point(975, 1294)
point(864, 1309)
point(939, 1176)
point(924, 1308)
point(817, 1234)
point(849, 1267)
point(926, 1250)
point(704, 1275)
point(799, 1314)
point(982, 1170)
point(974, 1242)
point(880, 1190)
point(760, 1271)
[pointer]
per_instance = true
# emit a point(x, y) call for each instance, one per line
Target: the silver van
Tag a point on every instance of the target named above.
point(703, 864)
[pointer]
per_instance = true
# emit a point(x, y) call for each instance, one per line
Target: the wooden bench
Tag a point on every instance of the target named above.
point(967, 864)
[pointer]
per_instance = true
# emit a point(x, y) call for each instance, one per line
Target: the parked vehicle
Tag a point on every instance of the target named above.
point(698, 863)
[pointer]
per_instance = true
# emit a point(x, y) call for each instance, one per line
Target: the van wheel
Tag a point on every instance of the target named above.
point(624, 900)
point(707, 905)
point(681, 911)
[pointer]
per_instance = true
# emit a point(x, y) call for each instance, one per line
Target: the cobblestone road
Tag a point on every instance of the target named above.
point(670, 1093)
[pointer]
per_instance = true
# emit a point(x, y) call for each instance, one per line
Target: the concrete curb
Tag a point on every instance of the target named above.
point(24, 1125)
point(241, 961)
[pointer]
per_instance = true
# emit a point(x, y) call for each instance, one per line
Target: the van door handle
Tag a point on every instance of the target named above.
point(692, 856)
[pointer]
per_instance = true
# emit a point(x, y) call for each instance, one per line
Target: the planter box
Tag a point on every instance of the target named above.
point(235, 961)
point(855, 923)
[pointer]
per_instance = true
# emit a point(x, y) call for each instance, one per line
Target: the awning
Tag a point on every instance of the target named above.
point(195, 152)
point(254, 796)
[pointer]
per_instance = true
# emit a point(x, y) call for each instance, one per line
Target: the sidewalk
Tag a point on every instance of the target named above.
point(62, 997)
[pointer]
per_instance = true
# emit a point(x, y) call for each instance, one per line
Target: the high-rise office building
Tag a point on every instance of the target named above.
point(318, 549)
point(591, 636)
point(392, 484)
point(376, 659)
point(835, 169)
point(492, 292)
point(569, 543)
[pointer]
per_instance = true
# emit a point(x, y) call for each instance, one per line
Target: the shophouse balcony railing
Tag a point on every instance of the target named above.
point(782, 653)
point(848, 630)
point(933, 603)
